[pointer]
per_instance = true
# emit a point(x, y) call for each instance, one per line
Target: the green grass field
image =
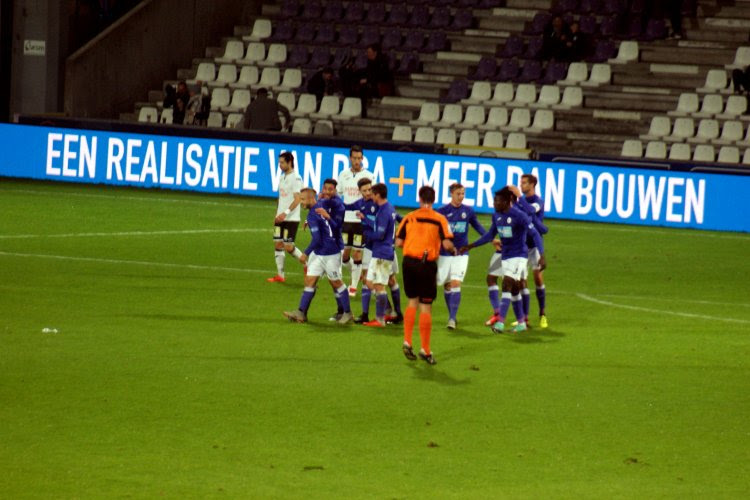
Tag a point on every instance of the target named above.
point(173, 373)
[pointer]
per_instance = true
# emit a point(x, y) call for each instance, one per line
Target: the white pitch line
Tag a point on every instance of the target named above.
point(134, 233)
point(660, 311)
point(138, 263)
point(667, 299)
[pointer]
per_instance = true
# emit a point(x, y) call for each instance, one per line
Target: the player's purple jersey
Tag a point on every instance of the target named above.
point(533, 206)
point(370, 210)
point(383, 232)
point(459, 219)
point(335, 208)
point(324, 240)
point(512, 227)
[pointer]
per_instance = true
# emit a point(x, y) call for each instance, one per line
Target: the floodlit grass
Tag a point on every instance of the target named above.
point(173, 373)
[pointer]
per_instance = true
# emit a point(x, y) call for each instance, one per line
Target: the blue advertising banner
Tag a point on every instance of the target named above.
point(570, 191)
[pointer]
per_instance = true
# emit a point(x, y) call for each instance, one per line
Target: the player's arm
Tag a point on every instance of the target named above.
point(295, 202)
point(381, 225)
point(474, 222)
point(315, 237)
point(446, 236)
point(401, 233)
point(483, 240)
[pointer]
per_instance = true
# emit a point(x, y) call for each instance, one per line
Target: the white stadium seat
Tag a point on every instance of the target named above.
point(306, 104)
point(656, 150)
point(429, 113)
point(215, 119)
point(401, 133)
point(275, 56)
point(704, 153)
point(261, 29)
point(220, 98)
point(291, 80)
point(474, 117)
point(516, 140)
point(351, 108)
point(493, 139)
point(687, 104)
point(254, 54)
point(227, 75)
point(302, 126)
point(525, 95)
point(712, 104)
point(520, 119)
point(577, 73)
point(659, 128)
point(233, 119)
point(632, 148)
point(446, 136)
point(167, 115)
point(708, 130)
point(683, 128)
point(480, 93)
point(205, 73)
point(240, 100)
point(496, 118)
point(679, 152)
point(452, 115)
point(287, 99)
point(249, 76)
point(425, 135)
point(233, 51)
point(544, 119)
point(269, 78)
point(627, 52)
point(729, 154)
point(572, 98)
point(716, 81)
point(469, 137)
point(601, 73)
point(503, 94)
point(329, 106)
point(148, 114)
point(731, 132)
point(323, 127)
point(549, 96)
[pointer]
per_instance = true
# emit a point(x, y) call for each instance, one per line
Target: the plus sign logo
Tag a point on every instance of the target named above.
point(401, 180)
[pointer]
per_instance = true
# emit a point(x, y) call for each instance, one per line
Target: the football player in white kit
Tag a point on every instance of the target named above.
point(348, 189)
point(286, 221)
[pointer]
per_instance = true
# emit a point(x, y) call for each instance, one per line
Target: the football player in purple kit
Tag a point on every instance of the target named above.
point(512, 225)
point(534, 207)
point(452, 268)
point(323, 256)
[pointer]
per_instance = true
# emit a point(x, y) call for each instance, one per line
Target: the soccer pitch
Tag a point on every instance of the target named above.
point(172, 372)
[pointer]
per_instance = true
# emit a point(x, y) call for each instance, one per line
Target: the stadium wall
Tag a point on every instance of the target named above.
point(245, 165)
point(106, 76)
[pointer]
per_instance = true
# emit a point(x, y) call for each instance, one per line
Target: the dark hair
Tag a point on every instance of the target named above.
point(531, 178)
point(454, 186)
point(375, 46)
point(427, 194)
point(363, 182)
point(355, 149)
point(288, 157)
point(330, 181)
point(262, 92)
point(505, 194)
point(327, 70)
point(380, 189)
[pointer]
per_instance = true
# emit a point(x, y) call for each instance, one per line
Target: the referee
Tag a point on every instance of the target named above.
point(420, 234)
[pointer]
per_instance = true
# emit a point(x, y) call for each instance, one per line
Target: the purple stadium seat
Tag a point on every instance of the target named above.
point(531, 72)
point(282, 32)
point(490, 4)
point(312, 10)
point(409, 64)
point(370, 35)
point(562, 6)
point(608, 26)
point(355, 12)
point(333, 11)
point(463, 20)
point(568, 18)
point(326, 34)
point(297, 57)
point(614, 7)
point(605, 50)
point(588, 25)
point(360, 62)
point(305, 33)
point(589, 6)
point(435, 42)
point(289, 8)
point(637, 6)
point(655, 30)
point(438, 3)
point(391, 39)
point(441, 18)
point(321, 56)
point(348, 35)
point(556, 70)
point(458, 90)
point(414, 40)
point(634, 27)
point(534, 48)
point(486, 69)
point(376, 13)
point(508, 70)
point(538, 24)
point(513, 47)
point(340, 56)
point(468, 3)
point(419, 17)
point(398, 15)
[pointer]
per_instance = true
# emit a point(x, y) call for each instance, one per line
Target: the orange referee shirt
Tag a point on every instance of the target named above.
point(423, 230)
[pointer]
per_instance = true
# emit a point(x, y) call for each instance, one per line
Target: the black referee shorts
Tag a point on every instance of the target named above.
point(420, 279)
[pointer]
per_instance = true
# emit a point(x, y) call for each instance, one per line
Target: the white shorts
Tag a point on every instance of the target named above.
point(451, 268)
point(534, 258)
point(394, 268)
point(366, 257)
point(380, 270)
point(516, 268)
point(330, 265)
point(496, 265)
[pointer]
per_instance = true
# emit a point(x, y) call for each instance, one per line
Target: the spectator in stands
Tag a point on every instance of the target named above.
point(348, 78)
point(180, 103)
point(741, 80)
point(555, 39)
point(577, 46)
point(322, 84)
point(198, 107)
point(376, 80)
point(263, 113)
point(674, 11)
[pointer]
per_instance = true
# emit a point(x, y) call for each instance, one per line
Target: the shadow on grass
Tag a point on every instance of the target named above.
point(423, 371)
point(535, 336)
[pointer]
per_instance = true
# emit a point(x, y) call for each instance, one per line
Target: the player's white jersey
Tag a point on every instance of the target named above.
point(349, 191)
point(289, 185)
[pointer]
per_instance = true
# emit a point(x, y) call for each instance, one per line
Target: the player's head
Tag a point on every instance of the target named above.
point(426, 195)
point(262, 92)
point(307, 197)
point(504, 199)
point(286, 162)
point(329, 188)
point(379, 192)
point(528, 184)
point(365, 188)
point(355, 158)
point(458, 192)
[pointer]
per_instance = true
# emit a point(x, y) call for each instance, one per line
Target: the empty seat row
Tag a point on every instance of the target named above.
point(525, 94)
point(690, 104)
point(716, 82)
point(255, 54)
point(659, 150)
point(468, 137)
point(477, 116)
point(248, 77)
point(709, 130)
point(741, 59)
